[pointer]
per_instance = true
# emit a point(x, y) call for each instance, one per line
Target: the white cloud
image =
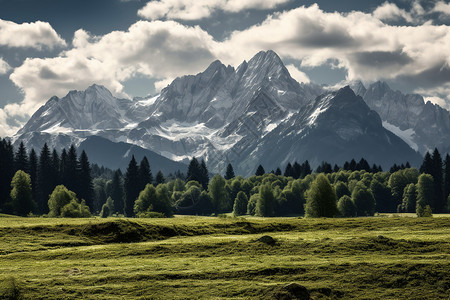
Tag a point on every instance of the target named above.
point(5, 128)
point(29, 35)
point(156, 49)
point(390, 11)
point(297, 74)
point(442, 7)
point(364, 45)
point(4, 67)
point(199, 9)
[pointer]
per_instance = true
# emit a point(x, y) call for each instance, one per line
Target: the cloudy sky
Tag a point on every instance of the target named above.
point(136, 47)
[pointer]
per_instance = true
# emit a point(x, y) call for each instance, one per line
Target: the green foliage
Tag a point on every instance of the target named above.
point(320, 199)
point(218, 193)
point(341, 189)
point(107, 208)
point(265, 202)
point(423, 212)
point(425, 190)
point(240, 204)
point(409, 198)
point(59, 198)
point(21, 194)
point(363, 199)
point(74, 209)
point(382, 194)
point(153, 199)
point(346, 207)
point(251, 206)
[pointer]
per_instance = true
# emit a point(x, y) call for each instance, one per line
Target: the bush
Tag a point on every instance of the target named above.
point(107, 208)
point(64, 203)
point(75, 210)
point(423, 212)
point(151, 214)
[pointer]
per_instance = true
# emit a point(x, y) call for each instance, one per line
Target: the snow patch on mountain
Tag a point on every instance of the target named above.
point(406, 135)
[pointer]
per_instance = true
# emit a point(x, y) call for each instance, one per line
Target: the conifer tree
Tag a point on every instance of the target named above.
point(72, 183)
point(145, 173)
point(56, 166)
point(447, 177)
point(64, 171)
point(117, 193)
point(289, 170)
point(86, 188)
point(260, 171)
point(131, 187)
point(6, 173)
point(306, 169)
point(160, 178)
point(194, 171)
point(297, 170)
point(45, 179)
point(204, 175)
point(278, 172)
point(33, 160)
point(229, 174)
point(21, 159)
point(427, 164)
point(439, 202)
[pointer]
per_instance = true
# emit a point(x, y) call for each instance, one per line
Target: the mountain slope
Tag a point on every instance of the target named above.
point(422, 125)
point(254, 114)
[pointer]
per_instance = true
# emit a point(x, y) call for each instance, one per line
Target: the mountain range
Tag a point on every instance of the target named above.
point(250, 115)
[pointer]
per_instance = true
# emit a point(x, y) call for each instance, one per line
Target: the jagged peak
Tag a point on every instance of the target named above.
point(264, 57)
point(380, 85)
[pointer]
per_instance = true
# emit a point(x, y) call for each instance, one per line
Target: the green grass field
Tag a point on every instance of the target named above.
point(202, 257)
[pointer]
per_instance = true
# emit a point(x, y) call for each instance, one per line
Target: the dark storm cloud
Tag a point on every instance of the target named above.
point(381, 59)
point(46, 73)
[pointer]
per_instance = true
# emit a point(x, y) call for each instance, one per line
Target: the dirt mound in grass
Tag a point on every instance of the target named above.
point(267, 239)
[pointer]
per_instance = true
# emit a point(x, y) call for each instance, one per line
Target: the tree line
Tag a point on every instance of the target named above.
point(63, 184)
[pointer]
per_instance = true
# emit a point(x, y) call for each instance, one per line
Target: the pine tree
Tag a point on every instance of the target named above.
point(260, 171)
point(297, 170)
point(117, 193)
point(33, 160)
point(64, 172)
point(21, 159)
point(6, 173)
point(278, 172)
point(55, 166)
point(160, 178)
point(73, 183)
point(131, 187)
point(145, 173)
point(306, 169)
point(45, 179)
point(21, 195)
point(427, 164)
point(352, 165)
point(447, 176)
point(229, 173)
point(289, 170)
point(320, 199)
point(363, 165)
point(86, 188)
point(204, 175)
point(194, 171)
point(438, 205)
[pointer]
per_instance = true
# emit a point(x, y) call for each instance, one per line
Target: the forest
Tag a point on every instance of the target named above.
point(66, 185)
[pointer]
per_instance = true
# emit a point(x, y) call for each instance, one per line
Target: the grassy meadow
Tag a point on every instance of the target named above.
point(241, 258)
